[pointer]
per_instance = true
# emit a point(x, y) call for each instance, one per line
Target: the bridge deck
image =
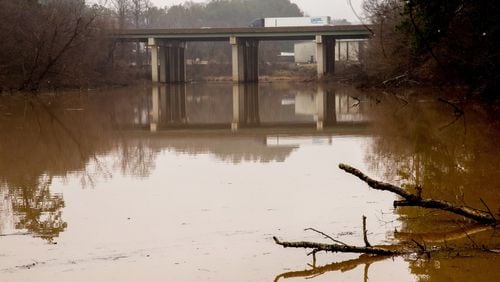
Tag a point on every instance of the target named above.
point(268, 33)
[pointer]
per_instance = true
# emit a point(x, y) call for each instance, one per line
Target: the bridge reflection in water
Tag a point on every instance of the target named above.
point(178, 106)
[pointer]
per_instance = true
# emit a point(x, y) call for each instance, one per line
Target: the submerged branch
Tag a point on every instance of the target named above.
point(417, 201)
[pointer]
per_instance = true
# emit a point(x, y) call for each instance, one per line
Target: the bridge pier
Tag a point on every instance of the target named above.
point(245, 59)
point(168, 62)
point(153, 46)
point(325, 55)
point(173, 62)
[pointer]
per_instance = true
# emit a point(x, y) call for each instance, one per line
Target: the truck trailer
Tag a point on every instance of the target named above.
point(291, 21)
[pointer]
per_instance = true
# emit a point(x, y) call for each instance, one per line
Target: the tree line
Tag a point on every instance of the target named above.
point(50, 44)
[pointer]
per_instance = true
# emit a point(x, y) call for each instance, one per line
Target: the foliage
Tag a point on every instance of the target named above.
point(53, 43)
point(64, 43)
point(453, 41)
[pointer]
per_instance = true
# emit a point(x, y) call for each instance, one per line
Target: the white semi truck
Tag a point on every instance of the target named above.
point(291, 21)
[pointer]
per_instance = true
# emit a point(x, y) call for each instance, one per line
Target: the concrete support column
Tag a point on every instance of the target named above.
point(182, 62)
point(329, 43)
point(320, 56)
point(154, 59)
point(237, 50)
point(177, 62)
point(172, 62)
point(325, 55)
point(245, 59)
point(163, 64)
point(251, 62)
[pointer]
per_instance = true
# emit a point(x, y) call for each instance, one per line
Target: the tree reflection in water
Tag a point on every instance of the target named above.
point(36, 209)
point(51, 137)
point(423, 143)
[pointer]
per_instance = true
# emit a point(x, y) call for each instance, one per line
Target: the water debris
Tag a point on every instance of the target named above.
point(28, 266)
point(416, 200)
point(484, 220)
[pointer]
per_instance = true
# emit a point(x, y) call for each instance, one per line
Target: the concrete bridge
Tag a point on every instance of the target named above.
point(168, 47)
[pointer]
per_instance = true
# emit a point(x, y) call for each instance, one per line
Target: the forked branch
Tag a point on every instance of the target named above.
point(415, 200)
point(337, 248)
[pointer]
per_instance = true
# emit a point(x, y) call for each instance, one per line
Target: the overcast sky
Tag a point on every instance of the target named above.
point(338, 9)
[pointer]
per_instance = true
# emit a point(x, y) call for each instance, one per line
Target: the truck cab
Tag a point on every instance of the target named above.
point(257, 23)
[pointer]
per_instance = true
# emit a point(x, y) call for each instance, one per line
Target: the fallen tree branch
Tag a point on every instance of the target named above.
point(326, 236)
point(365, 233)
point(485, 219)
point(337, 248)
point(417, 201)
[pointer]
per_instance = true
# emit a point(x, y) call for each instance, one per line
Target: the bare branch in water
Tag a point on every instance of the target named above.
point(417, 201)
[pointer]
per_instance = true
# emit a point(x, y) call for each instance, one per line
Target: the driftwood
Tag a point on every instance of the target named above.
point(337, 248)
point(416, 200)
point(485, 221)
point(341, 247)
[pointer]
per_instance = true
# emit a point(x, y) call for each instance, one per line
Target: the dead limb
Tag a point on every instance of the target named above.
point(326, 236)
point(485, 219)
point(337, 248)
point(415, 200)
point(365, 233)
point(341, 247)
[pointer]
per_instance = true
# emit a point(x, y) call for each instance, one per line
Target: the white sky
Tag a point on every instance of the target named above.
point(338, 9)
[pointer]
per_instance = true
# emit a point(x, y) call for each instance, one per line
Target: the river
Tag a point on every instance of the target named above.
point(191, 182)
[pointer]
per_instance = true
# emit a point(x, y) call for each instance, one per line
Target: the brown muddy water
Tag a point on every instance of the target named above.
point(190, 183)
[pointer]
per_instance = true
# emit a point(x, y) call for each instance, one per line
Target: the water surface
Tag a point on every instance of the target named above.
point(190, 183)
